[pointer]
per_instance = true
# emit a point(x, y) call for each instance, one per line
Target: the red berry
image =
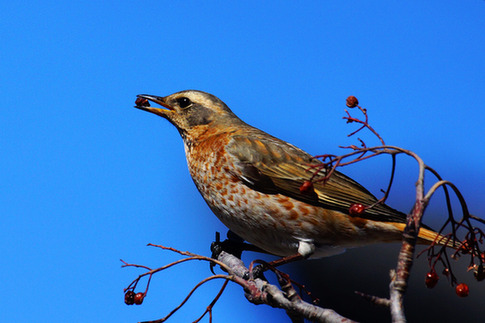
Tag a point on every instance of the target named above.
point(431, 279)
point(352, 101)
point(462, 290)
point(306, 187)
point(138, 299)
point(129, 297)
point(356, 209)
point(142, 102)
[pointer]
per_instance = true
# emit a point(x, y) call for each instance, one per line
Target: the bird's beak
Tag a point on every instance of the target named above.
point(144, 105)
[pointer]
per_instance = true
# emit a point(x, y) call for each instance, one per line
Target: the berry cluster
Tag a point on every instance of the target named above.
point(132, 298)
point(432, 278)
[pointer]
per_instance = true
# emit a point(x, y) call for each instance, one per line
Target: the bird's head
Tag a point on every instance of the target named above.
point(190, 111)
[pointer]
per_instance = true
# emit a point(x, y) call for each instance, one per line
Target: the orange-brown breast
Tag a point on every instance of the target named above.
point(273, 222)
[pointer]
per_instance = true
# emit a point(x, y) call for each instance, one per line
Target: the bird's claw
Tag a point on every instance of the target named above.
point(233, 245)
point(258, 271)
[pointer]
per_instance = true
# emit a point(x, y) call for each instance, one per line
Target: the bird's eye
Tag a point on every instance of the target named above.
point(184, 102)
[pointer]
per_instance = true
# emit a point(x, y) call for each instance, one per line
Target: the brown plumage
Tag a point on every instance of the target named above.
point(251, 181)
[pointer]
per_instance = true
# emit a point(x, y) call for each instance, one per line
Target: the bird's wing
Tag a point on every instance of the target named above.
point(272, 166)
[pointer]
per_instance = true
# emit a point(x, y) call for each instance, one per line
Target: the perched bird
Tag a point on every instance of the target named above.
point(252, 182)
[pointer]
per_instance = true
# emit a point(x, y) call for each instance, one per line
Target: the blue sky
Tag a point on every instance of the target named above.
point(86, 179)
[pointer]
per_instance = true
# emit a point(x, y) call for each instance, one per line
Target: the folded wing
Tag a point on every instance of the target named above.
point(273, 166)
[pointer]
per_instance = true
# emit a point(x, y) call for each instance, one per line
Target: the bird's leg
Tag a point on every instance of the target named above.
point(234, 245)
point(257, 271)
point(261, 268)
point(236, 240)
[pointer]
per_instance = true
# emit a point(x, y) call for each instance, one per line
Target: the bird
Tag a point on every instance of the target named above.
point(252, 181)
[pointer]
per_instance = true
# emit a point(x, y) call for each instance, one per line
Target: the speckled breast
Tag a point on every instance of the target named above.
point(273, 222)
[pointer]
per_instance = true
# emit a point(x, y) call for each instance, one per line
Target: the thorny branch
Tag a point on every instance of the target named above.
point(259, 291)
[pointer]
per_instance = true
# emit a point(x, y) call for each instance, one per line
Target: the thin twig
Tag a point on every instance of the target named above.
point(214, 301)
point(189, 295)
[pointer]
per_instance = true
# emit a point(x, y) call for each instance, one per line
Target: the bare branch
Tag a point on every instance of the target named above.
point(188, 296)
point(379, 301)
point(214, 301)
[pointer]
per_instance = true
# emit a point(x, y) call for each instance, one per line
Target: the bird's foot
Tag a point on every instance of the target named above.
point(233, 245)
point(257, 271)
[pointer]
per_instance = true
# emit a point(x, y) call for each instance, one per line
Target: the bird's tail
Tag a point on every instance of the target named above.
point(428, 236)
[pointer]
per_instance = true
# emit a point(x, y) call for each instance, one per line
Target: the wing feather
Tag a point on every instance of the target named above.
point(273, 166)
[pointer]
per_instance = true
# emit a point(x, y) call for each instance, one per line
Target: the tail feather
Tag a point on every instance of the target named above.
point(429, 236)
